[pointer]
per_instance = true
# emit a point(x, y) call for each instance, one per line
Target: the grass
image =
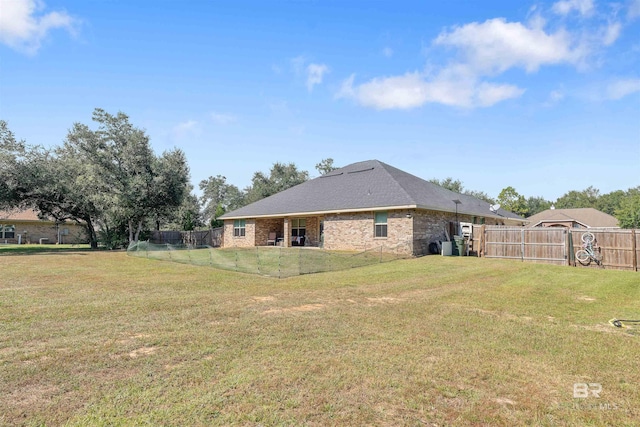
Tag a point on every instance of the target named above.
point(103, 338)
point(11, 249)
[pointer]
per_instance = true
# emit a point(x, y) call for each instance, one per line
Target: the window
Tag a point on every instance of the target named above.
point(478, 220)
point(298, 227)
point(7, 232)
point(381, 224)
point(298, 231)
point(238, 228)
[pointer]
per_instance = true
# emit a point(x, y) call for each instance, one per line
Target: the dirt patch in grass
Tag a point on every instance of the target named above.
point(297, 309)
point(32, 394)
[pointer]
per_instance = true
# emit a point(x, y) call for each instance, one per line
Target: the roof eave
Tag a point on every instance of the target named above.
point(368, 209)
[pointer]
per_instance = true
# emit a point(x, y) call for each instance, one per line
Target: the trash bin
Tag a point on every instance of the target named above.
point(458, 246)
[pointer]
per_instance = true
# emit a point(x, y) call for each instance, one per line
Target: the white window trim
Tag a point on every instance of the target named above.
point(241, 229)
point(376, 224)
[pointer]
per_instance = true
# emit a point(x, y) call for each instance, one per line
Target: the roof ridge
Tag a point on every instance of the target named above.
point(404, 190)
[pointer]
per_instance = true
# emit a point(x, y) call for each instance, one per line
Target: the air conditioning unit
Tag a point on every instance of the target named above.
point(466, 228)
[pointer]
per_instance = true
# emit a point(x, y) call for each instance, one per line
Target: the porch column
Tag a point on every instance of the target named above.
point(287, 233)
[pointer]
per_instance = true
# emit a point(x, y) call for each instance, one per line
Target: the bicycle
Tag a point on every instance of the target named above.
point(589, 251)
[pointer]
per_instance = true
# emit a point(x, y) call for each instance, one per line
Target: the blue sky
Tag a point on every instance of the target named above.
point(541, 96)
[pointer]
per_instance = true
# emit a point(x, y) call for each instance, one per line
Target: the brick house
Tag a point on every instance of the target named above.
point(24, 226)
point(362, 205)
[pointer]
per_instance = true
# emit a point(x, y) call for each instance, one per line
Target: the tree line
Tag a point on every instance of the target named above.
point(108, 179)
point(219, 197)
point(624, 205)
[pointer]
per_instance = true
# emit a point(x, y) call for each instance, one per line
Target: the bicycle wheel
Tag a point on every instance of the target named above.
point(588, 237)
point(597, 256)
point(583, 257)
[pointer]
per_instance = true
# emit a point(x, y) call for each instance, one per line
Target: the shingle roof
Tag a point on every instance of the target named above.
point(367, 185)
point(20, 215)
point(589, 217)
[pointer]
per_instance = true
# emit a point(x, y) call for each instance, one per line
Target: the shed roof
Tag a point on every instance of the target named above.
point(368, 185)
point(588, 217)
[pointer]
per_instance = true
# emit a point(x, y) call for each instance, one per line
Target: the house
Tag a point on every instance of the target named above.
point(359, 206)
point(572, 218)
point(24, 226)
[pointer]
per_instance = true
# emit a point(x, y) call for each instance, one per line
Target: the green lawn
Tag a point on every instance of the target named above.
point(31, 249)
point(264, 260)
point(101, 338)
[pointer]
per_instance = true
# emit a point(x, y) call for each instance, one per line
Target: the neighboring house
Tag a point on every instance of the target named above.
point(24, 226)
point(572, 218)
point(359, 206)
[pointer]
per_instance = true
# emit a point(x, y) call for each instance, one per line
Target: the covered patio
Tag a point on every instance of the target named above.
point(289, 231)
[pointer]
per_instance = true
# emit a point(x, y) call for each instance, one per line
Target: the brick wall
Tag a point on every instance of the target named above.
point(43, 230)
point(248, 240)
point(355, 232)
point(266, 226)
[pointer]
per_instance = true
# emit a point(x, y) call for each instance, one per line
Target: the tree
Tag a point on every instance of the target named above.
point(457, 187)
point(325, 166)
point(481, 195)
point(219, 197)
point(281, 177)
point(536, 205)
point(450, 184)
point(133, 185)
point(512, 201)
point(611, 202)
point(53, 182)
point(187, 217)
point(586, 198)
point(109, 177)
point(628, 213)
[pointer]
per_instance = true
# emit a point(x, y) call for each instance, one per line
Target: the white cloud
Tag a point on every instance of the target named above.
point(312, 73)
point(222, 119)
point(634, 9)
point(622, 87)
point(481, 51)
point(564, 7)
point(297, 64)
point(185, 129)
point(315, 74)
point(387, 52)
point(23, 27)
point(496, 45)
point(556, 96)
point(611, 33)
point(411, 90)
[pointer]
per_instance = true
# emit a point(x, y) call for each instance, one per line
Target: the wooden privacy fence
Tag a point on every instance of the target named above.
point(212, 237)
point(620, 248)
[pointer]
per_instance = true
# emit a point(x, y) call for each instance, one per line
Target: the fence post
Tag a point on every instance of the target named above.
point(279, 260)
point(568, 246)
point(522, 244)
point(258, 259)
point(634, 248)
point(483, 240)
